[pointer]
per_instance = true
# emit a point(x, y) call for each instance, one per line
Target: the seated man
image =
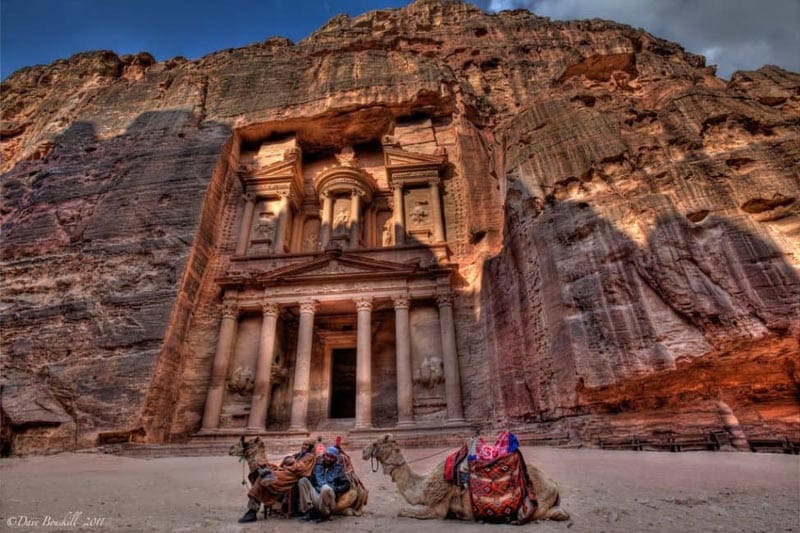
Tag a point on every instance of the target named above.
point(318, 492)
point(273, 484)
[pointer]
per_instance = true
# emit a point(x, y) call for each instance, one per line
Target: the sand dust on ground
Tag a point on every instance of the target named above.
point(604, 491)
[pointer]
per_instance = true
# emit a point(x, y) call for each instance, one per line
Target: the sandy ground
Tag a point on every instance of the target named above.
point(612, 491)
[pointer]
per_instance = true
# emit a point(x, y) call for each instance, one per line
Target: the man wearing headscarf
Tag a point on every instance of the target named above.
point(318, 492)
point(273, 484)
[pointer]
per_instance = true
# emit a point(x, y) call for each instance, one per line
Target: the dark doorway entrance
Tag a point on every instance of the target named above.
point(343, 383)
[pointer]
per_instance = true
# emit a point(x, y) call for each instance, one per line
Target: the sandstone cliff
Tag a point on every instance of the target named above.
point(629, 259)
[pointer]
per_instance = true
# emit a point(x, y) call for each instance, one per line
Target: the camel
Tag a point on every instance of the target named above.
point(253, 452)
point(350, 503)
point(431, 496)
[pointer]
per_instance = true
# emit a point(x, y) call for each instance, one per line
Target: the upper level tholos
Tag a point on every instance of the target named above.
point(370, 197)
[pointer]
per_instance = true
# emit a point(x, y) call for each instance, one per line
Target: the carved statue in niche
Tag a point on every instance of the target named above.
point(388, 226)
point(430, 373)
point(310, 243)
point(266, 227)
point(241, 381)
point(419, 214)
point(340, 221)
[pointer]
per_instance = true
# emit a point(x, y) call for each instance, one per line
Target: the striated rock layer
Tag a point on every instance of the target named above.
point(626, 225)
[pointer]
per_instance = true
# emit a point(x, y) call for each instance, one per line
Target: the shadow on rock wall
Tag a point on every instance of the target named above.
point(579, 311)
point(96, 236)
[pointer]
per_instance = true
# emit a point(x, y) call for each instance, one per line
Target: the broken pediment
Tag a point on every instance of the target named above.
point(284, 176)
point(399, 159)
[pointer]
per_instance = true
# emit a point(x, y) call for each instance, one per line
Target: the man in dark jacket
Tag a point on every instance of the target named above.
point(318, 491)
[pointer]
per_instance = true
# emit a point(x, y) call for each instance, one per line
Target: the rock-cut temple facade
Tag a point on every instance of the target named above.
point(337, 293)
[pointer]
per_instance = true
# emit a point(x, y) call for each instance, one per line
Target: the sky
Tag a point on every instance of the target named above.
point(734, 34)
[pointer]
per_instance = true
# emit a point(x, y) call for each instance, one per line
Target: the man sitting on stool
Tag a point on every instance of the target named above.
point(318, 491)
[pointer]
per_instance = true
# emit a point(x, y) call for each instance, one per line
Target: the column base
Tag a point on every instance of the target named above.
point(255, 429)
point(297, 430)
point(363, 427)
point(455, 422)
point(405, 424)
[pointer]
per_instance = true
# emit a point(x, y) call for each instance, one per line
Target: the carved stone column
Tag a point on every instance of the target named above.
point(302, 366)
point(355, 219)
point(452, 375)
point(259, 404)
point(398, 211)
point(327, 220)
point(364, 364)
point(284, 212)
point(247, 222)
point(436, 206)
point(405, 391)
point(219, 372)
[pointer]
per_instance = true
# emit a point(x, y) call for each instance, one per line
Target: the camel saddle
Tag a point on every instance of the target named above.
point(500, 489)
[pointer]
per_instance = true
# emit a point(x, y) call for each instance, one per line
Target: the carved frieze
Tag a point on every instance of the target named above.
point(270, 308)
point(401, 302)
point(309, 306)
point(444, 299)
point(230, 309)
point(364, 304)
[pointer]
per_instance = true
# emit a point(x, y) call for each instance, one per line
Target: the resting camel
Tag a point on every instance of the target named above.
point(350, 503)
point(431, 496)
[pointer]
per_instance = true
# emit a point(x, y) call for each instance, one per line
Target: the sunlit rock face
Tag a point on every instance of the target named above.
point(625, 226)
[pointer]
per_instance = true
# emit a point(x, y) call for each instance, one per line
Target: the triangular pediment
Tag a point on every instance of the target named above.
point(399, 158)
point(336, 267)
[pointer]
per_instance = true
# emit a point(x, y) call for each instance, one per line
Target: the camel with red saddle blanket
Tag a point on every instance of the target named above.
point(502, 489)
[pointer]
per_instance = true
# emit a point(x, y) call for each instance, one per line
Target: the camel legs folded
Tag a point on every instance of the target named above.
point(423, 512)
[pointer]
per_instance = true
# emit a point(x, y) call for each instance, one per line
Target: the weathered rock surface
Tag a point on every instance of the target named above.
point(629, 254)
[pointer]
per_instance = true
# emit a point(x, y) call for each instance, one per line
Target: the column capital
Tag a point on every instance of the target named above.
point(230, 309)
point(309, 306)
point(435, 182)
point(270, 308)
point(249, 197)
point(444, 299)
point(402, 302)
point(363, 304)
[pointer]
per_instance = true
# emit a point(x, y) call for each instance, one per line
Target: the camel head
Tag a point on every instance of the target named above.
point(246, 450)
point(385, 450)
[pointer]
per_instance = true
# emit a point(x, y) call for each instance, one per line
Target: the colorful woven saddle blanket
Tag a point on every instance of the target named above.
point(500, 490)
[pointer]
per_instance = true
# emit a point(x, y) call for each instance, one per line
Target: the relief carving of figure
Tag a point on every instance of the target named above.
point(387, 232)
point(241, 381)
point(420, 213)
point(431, 372)
point(340, 222)
point(266, 226)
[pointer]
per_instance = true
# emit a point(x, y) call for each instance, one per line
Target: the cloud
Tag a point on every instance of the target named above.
point(734, 34)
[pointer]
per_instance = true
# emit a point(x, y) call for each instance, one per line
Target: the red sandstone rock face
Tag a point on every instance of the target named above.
point(631, 224)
